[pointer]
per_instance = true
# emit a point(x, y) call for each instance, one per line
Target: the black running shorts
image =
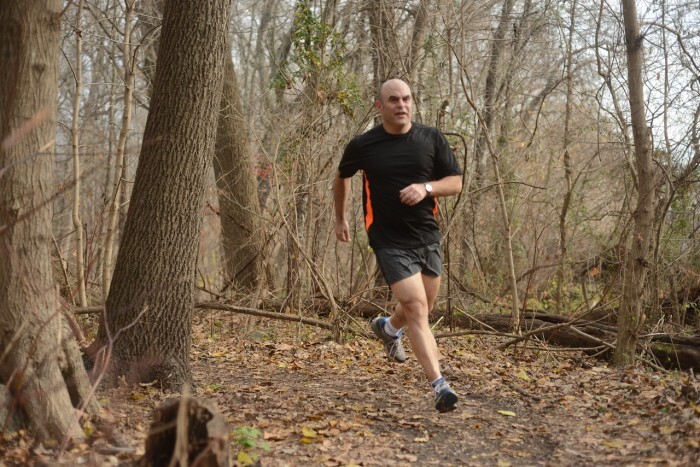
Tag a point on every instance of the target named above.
point(397, 264)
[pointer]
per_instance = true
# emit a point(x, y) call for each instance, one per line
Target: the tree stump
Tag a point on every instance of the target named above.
point(188, 431)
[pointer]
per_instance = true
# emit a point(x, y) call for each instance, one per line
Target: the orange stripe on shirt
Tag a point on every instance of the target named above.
point(435, 208)
point(369, 214)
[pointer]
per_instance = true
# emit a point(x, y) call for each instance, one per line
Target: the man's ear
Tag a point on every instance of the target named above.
point(378, 104)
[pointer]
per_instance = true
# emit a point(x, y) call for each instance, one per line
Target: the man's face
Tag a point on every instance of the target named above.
point(395, 105)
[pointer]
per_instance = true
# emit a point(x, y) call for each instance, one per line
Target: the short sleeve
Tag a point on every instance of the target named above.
point(350, 162)
point(445, 161)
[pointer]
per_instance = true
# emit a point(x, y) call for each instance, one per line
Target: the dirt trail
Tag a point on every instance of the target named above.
point(300, 399)
point(358, 408)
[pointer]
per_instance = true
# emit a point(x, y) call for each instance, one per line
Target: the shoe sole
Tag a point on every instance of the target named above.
point(447, 403)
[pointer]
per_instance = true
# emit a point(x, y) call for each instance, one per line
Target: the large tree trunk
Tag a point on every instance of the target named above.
point(42, 366)
point(242, 240)
point(631, 316)
point(149, 308)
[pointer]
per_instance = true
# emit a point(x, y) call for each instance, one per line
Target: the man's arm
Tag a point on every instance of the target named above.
point(415, 193)
point(341, 194)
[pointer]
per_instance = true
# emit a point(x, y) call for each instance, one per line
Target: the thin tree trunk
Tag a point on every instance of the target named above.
point(385, 53)
point(148, 331)
point(567, 161)
point(484, 128)
point(420, 26)
point(631, 316)
point(505, 217)
point(75, 144)
point(108, 180)
point(43, 366)
point(607, 78)
point(242, 238)
point(491, 95)
point(119, 167)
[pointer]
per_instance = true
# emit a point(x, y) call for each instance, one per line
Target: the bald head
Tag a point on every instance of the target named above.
point(395, 105)
point(394, 84)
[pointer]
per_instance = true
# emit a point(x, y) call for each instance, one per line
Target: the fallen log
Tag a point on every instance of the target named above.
point(672, 352)
point(563, 334)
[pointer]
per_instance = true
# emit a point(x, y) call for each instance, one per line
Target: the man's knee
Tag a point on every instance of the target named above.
point(415, 309)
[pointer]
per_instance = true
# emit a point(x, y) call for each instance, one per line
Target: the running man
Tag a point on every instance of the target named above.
point(406, 166)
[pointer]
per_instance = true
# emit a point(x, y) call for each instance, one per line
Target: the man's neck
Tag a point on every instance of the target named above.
point(397, 130)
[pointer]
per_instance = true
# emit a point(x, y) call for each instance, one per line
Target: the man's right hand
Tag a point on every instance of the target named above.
point(342, 230)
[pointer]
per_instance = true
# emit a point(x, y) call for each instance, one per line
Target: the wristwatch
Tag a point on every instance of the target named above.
point(429, 189)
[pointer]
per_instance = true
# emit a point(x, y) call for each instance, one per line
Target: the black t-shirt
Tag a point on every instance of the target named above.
point(389, 164)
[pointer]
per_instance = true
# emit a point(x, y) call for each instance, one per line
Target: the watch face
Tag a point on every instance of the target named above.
point(428, 187)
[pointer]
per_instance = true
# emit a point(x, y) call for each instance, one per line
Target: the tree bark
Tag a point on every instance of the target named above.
point(239, 209)
point(41, 362)
point(242, 241)
point(147, 333)
point(631, 315)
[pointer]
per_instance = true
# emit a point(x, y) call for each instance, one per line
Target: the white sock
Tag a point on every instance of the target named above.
point(389, 329)
point(438, 383)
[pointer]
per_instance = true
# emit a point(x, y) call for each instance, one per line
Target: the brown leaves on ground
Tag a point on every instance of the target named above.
point(293, 397)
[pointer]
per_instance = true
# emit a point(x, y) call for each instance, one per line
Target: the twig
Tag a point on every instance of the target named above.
point(473, 332)
point(275, 315)
point(532, 333)
point(594, 339)
point(565, 349)
point(88, 310)
point(63, 269)
point(522, 391)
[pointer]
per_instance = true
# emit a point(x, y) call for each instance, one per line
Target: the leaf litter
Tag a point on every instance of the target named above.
point(306, 400)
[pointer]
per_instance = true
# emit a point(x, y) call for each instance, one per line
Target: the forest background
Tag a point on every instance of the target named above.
point(572, 204)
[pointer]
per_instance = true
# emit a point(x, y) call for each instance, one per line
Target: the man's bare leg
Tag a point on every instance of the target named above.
point(416, 296)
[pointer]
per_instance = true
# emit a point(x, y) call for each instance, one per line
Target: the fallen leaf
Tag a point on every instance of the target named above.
point(524, 376)
point(244, 458)
point(275, 435)
point(615, 444)
point(507, 412)
point(308, 432)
